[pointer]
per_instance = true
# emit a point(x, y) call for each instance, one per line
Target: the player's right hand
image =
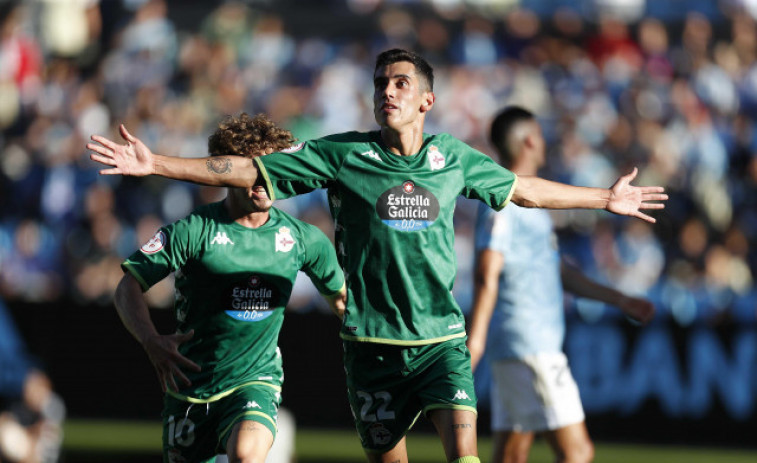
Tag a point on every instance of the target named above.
point(163, 351)
point(132, 158)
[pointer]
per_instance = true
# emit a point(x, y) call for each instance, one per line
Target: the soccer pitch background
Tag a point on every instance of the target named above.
point(135, 441)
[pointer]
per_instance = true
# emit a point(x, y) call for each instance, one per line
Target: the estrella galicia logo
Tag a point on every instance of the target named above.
point(252, 300)
point(407, 207)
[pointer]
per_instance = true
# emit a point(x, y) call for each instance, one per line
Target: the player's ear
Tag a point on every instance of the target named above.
point(428, 101)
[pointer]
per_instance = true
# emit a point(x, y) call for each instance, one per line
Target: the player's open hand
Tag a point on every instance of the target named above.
point(626, 199)
point(163, 351)
point(131, 158)
point(638, 310)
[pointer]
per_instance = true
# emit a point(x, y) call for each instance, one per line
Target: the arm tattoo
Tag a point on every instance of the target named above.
point(219, 165)
point(461, 425)
point(248, 426)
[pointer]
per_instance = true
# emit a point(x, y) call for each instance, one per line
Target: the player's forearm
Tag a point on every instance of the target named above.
point(229, 171)
point(579, 285)
point(133, 311)
point(538, 192)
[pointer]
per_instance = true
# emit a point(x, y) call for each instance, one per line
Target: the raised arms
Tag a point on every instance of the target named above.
point(622, 198)
point(134, 158)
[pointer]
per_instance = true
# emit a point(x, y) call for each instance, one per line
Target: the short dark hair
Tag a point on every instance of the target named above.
point(502, 130)
point(246, 135)
point(396, 55)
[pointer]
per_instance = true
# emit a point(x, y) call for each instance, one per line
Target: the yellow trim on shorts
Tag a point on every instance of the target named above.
point(509, 195)
point(399, 342)
point(221, 395)
point(222, 434)
point(264, 172)
point(448, 407)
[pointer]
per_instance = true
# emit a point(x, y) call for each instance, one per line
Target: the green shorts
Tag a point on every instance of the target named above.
point(196, 431)
point(389, 386)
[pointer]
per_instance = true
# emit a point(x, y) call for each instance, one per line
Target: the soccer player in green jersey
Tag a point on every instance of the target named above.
point(235, 263)
point(392, 193)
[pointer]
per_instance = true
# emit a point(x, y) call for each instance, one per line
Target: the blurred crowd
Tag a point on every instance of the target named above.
point(614, 88)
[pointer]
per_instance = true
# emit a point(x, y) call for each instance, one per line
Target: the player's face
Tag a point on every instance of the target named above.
point(254, 199)
point(398, 96)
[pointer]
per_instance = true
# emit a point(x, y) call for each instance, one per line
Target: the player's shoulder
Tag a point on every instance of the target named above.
point(296, 226)
point(346, 138)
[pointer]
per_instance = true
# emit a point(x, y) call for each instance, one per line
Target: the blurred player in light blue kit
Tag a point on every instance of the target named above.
point(517, 315)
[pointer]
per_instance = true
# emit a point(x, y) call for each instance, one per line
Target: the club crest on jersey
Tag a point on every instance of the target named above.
point(435, 158)
point(407, 207)
point(284, 240)
point(155, 244)
point(294, 148)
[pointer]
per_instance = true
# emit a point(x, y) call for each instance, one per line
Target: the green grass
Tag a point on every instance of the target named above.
point(337, 446)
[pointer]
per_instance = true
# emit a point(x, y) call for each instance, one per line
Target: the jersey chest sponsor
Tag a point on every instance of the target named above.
point(407, 207)
point(251, 301)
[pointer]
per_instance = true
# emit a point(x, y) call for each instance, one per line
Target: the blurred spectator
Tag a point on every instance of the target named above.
point(674, 93)
point(31, 414)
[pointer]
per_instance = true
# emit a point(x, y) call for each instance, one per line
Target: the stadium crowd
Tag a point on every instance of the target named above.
point(613, 89)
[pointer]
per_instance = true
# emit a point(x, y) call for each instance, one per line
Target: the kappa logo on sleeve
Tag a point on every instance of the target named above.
point(294, 148)
point(155, 244)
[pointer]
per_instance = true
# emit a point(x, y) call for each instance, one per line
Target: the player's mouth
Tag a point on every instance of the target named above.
point(387, 107)
point(259, 192)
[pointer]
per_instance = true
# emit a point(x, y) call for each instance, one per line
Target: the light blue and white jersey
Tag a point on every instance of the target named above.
point(528, 317)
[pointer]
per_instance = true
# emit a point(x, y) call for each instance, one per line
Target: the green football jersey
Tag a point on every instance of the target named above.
point(232, 284)
point(394, 227)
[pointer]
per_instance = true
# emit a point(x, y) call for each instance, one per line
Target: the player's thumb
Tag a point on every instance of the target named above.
point(125, 133)
point(184, 337)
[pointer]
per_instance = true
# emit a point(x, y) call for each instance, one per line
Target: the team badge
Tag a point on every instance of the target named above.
point(435, 158)
point(284, 240)
point(379, 434)
point(155, 244)
point(294, 148)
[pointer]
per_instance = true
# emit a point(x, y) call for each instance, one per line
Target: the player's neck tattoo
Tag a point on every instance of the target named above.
point(461, 425)
point(219, 165)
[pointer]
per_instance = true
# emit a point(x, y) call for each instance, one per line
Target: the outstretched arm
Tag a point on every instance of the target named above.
point(575, 282)
point(489, 265)
point(622, 198)
point(163, 350)
point(134, 158)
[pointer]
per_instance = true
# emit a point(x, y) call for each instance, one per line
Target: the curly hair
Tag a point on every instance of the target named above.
point(246, 135)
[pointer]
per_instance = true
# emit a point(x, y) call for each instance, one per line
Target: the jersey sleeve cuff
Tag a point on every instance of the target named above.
point(266, 179)
point(342, 288)
point(127, 267)
point(509, 194)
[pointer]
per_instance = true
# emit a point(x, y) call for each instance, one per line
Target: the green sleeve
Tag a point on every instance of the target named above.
point(486, 180)
point(321, 263)
point(303, 168)
point(164, 253)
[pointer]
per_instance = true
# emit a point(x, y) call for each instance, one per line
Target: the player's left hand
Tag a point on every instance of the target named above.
point(626, 199)
point(638, 310)
point(132, 158)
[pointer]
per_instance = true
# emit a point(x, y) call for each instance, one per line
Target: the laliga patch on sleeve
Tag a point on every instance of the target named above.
point(155, 244)
point(294, 148)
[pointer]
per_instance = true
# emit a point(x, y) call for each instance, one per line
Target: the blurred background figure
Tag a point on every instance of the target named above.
point(31, 414)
